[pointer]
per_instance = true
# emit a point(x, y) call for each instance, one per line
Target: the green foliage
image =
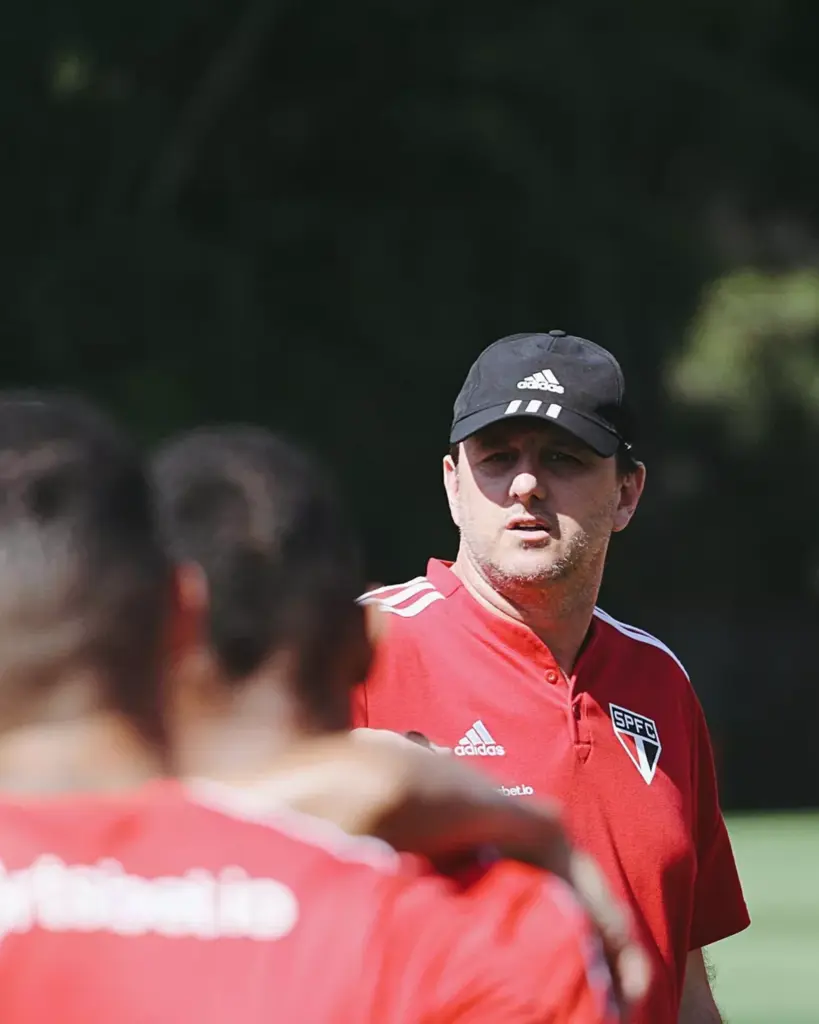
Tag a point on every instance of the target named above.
point(752, 348)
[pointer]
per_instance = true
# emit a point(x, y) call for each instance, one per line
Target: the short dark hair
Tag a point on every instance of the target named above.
point(269, 530)
point(626, 463)
point(83, 577)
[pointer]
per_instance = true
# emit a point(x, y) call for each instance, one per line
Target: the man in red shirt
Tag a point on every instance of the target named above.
point(504, 657)
point(129, 897)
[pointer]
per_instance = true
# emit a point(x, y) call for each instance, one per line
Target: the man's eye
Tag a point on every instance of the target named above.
point(561, 459)
point(500, 457)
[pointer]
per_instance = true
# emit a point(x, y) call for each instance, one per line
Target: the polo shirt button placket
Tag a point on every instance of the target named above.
point(580, 729)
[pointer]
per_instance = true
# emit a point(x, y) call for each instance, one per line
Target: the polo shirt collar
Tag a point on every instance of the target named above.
point(506, 632)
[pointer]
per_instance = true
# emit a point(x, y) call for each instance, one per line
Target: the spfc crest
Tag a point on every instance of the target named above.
point(640, 739)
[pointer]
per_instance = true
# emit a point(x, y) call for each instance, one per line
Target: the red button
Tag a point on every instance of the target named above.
point(552, 677)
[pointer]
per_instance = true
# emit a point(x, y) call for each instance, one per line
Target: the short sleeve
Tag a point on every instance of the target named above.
point(515, 948)
point(719, 905)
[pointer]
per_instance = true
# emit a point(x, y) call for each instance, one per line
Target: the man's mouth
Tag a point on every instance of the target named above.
point(528, 524)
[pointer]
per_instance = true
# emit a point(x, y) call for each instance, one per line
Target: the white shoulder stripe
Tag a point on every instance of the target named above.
point(638, 634)
point(393, 586)
point(405, 594)
point(420, 592)
point(411, 610)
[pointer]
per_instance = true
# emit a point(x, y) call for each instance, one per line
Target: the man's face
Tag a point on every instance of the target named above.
point(534, 504)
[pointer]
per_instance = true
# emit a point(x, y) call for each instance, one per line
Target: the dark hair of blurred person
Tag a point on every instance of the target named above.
point(267, 556)
point(84, 595)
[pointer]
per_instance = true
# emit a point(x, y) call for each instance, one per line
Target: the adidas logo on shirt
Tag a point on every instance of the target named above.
point(543, 380)
point(478, 742)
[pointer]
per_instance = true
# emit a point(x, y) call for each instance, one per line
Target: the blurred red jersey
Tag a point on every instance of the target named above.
point(166, 905)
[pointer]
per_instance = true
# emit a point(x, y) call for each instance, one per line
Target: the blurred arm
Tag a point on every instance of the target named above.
point(698, 1006)
point(381, 784)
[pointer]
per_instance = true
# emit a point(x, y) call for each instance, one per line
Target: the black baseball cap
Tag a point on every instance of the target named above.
point(554, 377)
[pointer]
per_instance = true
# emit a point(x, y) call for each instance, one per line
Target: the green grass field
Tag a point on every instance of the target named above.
point(770, 973)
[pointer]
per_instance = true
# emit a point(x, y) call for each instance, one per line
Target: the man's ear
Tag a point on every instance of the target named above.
point(631, 489)
point(451, 486)
point(190, 676)
point(189, 609)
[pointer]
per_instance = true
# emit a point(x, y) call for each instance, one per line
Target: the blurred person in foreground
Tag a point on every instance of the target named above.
point(504, 658)
point(126, 895)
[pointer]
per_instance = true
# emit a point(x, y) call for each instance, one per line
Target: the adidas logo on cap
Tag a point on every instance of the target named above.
point(543, 380)
point(478, 742)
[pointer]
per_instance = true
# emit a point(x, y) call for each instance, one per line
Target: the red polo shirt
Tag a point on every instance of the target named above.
point(623, 744)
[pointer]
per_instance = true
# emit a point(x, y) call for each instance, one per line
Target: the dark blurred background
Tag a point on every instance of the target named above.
point(314, 215)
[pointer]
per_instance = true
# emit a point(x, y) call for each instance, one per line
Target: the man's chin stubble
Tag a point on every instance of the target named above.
point(524, 578)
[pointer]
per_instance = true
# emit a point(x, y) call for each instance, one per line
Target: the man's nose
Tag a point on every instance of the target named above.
point(526, 484)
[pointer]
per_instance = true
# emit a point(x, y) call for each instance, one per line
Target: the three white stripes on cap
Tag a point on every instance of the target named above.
point(533, 406)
